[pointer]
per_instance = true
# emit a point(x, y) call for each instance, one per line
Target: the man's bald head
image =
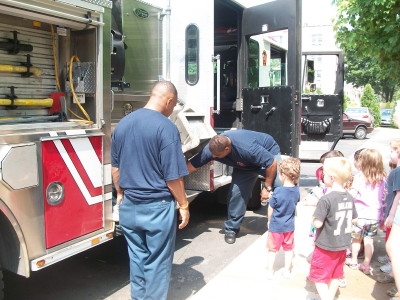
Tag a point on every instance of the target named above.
point(164, 87)
point(163, 98)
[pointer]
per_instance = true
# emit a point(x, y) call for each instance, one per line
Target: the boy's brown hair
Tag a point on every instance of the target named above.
point(290, 167)
point(329, 154)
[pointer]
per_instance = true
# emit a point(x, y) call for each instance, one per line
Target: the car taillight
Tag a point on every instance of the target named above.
point(366, 116)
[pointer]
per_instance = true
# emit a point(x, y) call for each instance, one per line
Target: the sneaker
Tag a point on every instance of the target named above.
point(366, 270)
point(383, 259)
point(386, 268)
point(385, 278)
point(342, 282)
point(392, 292)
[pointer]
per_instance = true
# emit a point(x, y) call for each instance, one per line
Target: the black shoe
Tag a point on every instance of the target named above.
point(230, 237)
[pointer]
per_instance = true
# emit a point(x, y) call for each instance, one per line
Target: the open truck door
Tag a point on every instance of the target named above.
point(322, 103)
point(270, 54)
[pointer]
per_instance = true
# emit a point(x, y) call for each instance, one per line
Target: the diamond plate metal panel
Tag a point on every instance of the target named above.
point(218, 169)
point(84, 78)
point(199, 180)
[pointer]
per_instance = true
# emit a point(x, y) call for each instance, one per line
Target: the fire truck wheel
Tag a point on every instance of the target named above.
point(254, 201)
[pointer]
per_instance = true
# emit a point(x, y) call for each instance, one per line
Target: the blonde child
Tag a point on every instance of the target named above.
point(281, 211)
point(333, 218)
point(368, 190)
point(317, 192)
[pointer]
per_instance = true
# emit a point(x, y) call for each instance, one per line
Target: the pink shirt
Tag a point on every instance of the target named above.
point(368, 199)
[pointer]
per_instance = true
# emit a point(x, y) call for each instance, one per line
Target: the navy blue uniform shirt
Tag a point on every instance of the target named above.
point(251, 150)
point(146, 147)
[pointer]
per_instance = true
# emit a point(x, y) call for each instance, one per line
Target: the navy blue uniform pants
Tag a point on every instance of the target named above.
point(239, 193)
point(150, 231)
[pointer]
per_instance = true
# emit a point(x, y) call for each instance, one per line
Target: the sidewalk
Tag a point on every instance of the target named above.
point(245, 277)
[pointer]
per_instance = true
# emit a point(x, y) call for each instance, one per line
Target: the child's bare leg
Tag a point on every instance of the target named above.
point(271, 260)
point(323, 290)
point(288, 260)
point(333, 287)
point(355, 248)
point(368, 251)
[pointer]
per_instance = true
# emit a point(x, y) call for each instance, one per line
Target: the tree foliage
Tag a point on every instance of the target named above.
point(361, 71)
point(346, 100)
point(368, 99)
point(370, 29)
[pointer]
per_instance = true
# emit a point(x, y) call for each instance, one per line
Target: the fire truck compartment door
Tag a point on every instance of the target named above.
point(321, 118)
point(271, 49)
point(72, 169)
point(270, 110)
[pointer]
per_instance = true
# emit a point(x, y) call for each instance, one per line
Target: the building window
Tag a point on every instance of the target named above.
point(192, 55)
point(316, 39)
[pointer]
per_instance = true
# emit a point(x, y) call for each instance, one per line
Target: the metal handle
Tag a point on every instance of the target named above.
point(268, 113)
point(264, 100)
point(217, 58)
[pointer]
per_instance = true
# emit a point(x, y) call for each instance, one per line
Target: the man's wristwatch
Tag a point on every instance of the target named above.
point(268, 188)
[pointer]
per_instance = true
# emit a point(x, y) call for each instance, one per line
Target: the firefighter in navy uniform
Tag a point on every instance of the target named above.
point(147, 169)
point(251, 154)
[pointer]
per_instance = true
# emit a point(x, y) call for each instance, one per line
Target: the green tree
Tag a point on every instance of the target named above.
point(361, 71)
point(371, 28)
point(368, 99)
point(346, 101)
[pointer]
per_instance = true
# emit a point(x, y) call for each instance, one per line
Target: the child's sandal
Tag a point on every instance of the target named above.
point(350, 264)
point(366, 270)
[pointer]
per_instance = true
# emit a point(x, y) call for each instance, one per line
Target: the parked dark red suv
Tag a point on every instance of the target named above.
point(357, 128)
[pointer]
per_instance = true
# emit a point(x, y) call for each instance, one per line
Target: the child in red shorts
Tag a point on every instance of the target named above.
point(333, 219)
point(281, 211)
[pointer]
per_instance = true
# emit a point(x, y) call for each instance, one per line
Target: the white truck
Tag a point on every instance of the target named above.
point(234, 68)
point(71, 69)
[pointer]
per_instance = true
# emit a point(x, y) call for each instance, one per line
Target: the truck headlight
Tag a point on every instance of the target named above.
point(55, 193)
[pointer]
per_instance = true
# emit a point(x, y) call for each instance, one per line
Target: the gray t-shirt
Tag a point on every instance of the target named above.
point(393, 185)
point(336, 210)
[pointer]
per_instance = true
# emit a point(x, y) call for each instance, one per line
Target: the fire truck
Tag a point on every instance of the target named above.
point(71, 69)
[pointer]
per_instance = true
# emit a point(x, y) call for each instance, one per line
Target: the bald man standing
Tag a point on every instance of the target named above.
point(147, 169)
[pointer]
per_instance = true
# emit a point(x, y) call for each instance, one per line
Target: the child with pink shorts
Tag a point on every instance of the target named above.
point(281, 211)
point(333, 219)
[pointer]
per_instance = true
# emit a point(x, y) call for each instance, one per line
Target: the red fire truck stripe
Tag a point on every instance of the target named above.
point(80, 168)
point(75, 173)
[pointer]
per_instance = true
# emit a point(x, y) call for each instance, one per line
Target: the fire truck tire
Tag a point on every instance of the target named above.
point(254, 201)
